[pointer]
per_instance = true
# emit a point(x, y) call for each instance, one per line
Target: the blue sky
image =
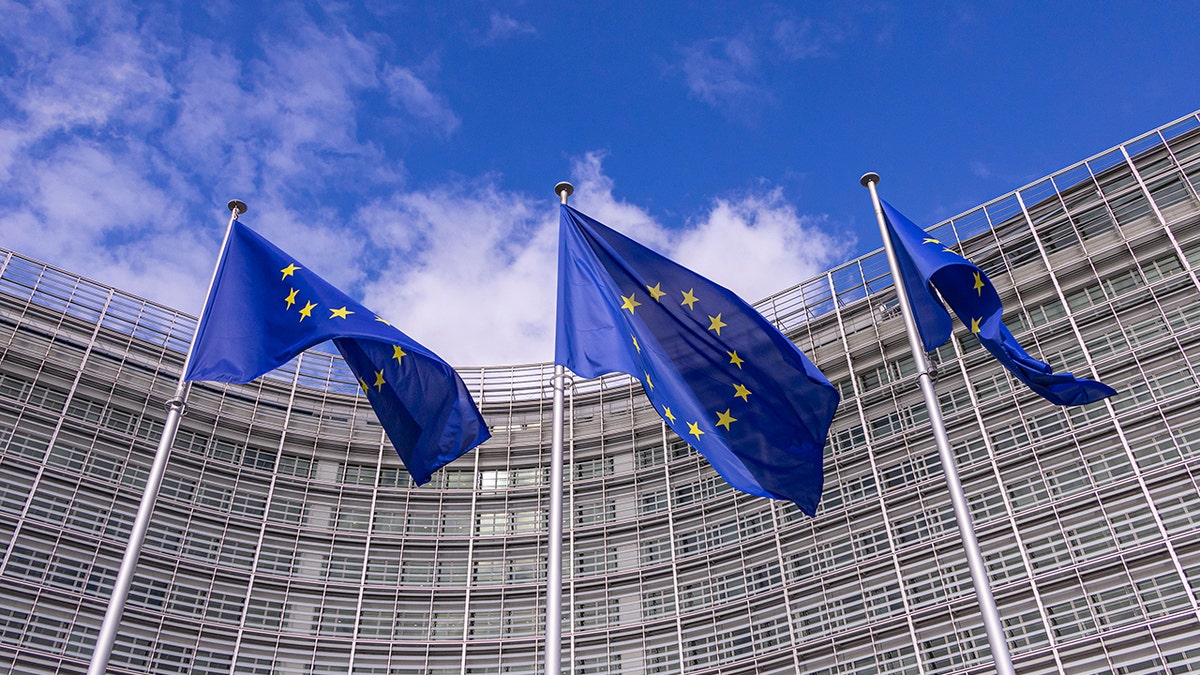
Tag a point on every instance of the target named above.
point(408, 151)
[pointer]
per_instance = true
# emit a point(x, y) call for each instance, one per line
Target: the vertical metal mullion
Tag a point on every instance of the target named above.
point(1012, 516)
point(58, 425)
point(671, 534)
point(887, 522)
point(1116, 424)
point(1162, 221)
point(466, 632)
point(241, 628)
point(362, 575)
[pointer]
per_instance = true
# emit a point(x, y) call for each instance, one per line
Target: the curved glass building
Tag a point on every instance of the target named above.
point(288, 538)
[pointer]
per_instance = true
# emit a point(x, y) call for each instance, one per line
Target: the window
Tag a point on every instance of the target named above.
point(296, 466)
point(593, 468)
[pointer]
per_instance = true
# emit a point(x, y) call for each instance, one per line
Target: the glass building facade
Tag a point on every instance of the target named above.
point(288, 538)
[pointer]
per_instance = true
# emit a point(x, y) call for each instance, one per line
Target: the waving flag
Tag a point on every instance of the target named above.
point(927, 264)
point(721, 376)
point(265, 308)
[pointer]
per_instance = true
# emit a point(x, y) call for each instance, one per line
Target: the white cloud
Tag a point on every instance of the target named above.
point(471, 274)
point(98, 214)
point(594, 195)
point(208, 106)
point(754, 244)
point(126, 144)
point(298, 114)
point(758, 244)
point(80, 70)
point(128, 134)
point(11, 142)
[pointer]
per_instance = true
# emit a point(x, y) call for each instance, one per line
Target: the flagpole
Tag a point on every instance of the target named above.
point(554, 559)
point(175, 406)
point(966, 529)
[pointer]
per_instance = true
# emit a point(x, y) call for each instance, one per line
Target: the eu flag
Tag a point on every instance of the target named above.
point(265, 308)
point(721, 376)
point(927, 264)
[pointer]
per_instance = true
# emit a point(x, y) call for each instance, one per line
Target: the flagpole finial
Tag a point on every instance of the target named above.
point(237, 207)
point(564, 190)
point(868, 178)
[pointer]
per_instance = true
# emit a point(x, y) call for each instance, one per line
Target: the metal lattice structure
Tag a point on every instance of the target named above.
point(288, 539)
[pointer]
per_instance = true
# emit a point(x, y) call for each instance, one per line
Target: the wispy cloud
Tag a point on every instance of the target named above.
point(124, 133)
point(414, 95)
point(723, 72)
point(798, 38)
point(119, 144)
point(980, 169)
point(731, 72)
point(501, 26)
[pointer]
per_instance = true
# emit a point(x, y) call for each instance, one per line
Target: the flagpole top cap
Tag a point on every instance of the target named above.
point(868, 178)
point(564, 187)
point(237, 206)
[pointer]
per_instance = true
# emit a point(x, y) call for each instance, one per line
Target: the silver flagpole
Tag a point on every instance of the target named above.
point(554, 559)
point(966, 529)
point(120, 592)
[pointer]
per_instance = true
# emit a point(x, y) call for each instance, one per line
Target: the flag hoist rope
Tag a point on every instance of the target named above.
point(120, 592)
point(966, 529)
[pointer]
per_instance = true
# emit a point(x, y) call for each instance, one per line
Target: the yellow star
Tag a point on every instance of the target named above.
point(669, 415)
point(291, 298)
point(931, 240)
point(724, 419)
point(975, 324)
point(690, 299)
point(306, 311)
point(629, 303)
point(340, 313)
point(379, 380)
point(656, 292)
point(382, 321)
point(649, 383)
point(398, 353)
point(289, 271)
point(735, 360)
point(978, 284)
point(715, 323)
point(694, 430)
point(636, 345)
point(362, 383)
point(740, 391)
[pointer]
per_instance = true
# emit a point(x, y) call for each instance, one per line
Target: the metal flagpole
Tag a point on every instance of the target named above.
point(120, 592)
point(966, 529)
point(554, 559)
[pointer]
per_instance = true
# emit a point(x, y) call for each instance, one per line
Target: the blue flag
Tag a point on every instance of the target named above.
point(721, 376)
point(927, 264)
point(265, 308)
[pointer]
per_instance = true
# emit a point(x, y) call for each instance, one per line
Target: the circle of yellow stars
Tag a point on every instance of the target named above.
point(689, 299)
point(343, 313)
